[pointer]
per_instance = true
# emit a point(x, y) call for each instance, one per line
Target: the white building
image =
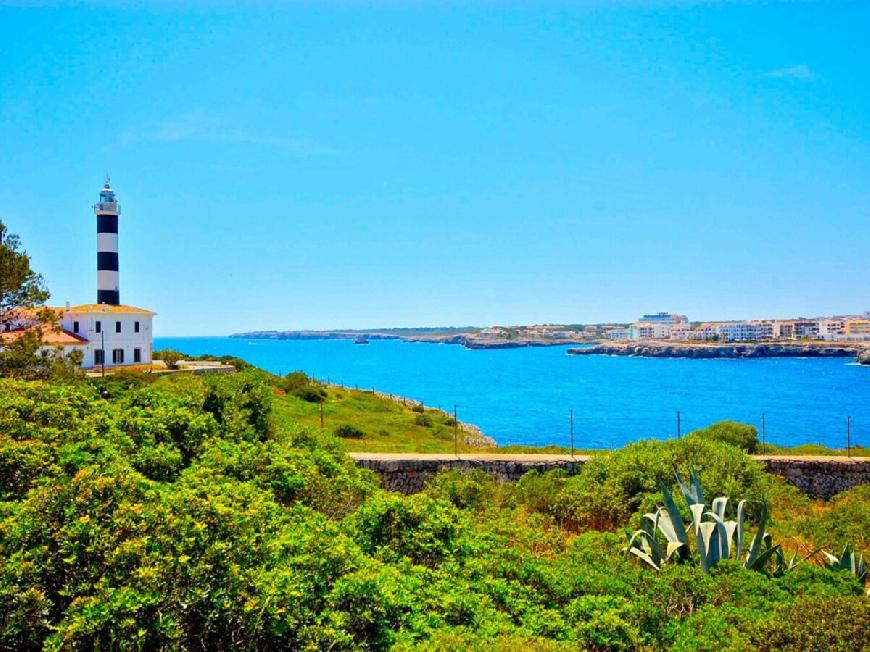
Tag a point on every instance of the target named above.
point(115, 335)
point(108, 333)
point(744, 331)
point(618, 334)
point(664, 318)
point(649, 331)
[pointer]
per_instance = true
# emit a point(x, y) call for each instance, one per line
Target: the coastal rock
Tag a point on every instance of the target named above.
point(864, 357)
point(769, 350)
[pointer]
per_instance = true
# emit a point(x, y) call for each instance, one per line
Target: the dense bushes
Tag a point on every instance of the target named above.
point(612, 487)
point(741, 435)
point(300, 385)
point(172, 514)
point(347, 431)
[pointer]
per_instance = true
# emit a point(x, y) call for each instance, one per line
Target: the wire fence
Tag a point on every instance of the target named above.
point(576, 437)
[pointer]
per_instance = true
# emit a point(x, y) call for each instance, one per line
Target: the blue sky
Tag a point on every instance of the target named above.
point(330, 165)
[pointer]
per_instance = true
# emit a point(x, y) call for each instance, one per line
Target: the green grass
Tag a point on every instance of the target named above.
point(812, 449)
point(389, 425)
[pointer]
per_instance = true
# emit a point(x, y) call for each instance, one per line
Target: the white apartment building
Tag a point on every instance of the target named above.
point(649, 331)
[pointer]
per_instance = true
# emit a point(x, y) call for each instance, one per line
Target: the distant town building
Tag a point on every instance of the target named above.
point(858, 328)
point(745, 331)
point(663, 318)
point(617, 334)
point(649, 331)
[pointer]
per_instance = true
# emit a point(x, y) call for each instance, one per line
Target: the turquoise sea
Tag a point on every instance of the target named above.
point(522, 396)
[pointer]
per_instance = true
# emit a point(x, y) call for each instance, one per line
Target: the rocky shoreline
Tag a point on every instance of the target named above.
point(760, 350)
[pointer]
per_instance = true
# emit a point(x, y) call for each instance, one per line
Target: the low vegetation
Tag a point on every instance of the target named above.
point(382, 423)
point(200, 512)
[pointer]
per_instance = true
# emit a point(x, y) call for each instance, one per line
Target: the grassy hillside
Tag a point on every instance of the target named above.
point(192, 512)
point(387, 425)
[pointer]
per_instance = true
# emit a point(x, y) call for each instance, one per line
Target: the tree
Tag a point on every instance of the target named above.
point(28, 357)
point(22, 290)
point(170, 357)
point(20, 286)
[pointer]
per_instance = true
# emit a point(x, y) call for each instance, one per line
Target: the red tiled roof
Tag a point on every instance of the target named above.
point(48, 337)
point(105, 307)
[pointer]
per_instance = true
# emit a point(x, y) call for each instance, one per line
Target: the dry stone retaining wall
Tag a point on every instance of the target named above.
point(819, 477)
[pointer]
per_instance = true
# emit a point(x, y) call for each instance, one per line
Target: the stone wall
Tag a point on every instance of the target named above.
point(409, 474)
point(819, 477)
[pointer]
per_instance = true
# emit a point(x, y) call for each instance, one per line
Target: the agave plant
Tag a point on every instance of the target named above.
point(715, 538)
point(848, 561)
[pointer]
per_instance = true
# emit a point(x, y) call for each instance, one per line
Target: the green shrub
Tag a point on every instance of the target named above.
point(419, 528)
point(417, 407)
point(169, 356)
point(613, 486)
point(423, 420)
point(817, 624)
point(171, 514)
point(311, 393)
point(473, 490)
point(737, 434)
point(295, 380)
point(348, 431)
point(846, 521)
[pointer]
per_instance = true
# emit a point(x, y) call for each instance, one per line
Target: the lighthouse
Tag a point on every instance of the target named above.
point(106, 333)
point(107, 211)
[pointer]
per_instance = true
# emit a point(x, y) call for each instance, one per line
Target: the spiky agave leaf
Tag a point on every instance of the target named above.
point(708, 546)
point(755, 547)
point(718, 507)
point(676, 548)
point(782, 566)
point(697, 515)
point(639, 545)
point(695, 481)
point(724, 532)
point(739, 550)
point(676, 521)
point(667, 527)
point(692, 493)
point(650, 528)
point(848, 561)
point(760, 562)
point(730, 529)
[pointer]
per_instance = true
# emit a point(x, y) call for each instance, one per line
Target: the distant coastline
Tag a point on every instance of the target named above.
point(469, 338)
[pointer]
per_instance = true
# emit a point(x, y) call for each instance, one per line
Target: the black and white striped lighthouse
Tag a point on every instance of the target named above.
point(107, 211)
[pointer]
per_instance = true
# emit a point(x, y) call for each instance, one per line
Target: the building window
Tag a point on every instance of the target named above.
point(99, 327)
point(98, 356)
point(137, 354)
point(117, 356)
point(75, 327)
point(117, 327)
point(136, 326)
